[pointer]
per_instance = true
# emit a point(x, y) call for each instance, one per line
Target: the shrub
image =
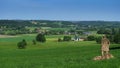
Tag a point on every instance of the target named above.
point(66, 38)
point(59, 40)
point(91, 38)
point(98, 40)
point(40, 38)
point(114, 38)
point(11, 33)
point(111, 38)
point(34, 42)
point(117, 38)
point(22, 44)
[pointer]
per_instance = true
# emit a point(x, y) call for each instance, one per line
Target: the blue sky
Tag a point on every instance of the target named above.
point(73, 10)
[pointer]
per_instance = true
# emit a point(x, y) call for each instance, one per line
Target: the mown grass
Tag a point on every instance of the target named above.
point(54, 54)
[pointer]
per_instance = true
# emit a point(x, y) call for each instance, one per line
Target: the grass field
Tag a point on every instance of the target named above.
point(53, 54)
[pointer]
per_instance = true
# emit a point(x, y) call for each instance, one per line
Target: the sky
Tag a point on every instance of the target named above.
point(70, 10)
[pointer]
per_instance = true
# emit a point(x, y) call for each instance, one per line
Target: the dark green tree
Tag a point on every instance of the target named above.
point(34, 42)
point(22, 44)
point(113, 31)
point(91, 38)
point(67, 38)
point(59, 40)
point(117, 38)
point(41, 38)
point(98, 39)
point(111, 38)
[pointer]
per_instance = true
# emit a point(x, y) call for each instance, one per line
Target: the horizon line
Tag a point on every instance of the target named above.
point(62, 20)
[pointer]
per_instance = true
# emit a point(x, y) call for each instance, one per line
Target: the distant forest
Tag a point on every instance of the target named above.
point(14, 27)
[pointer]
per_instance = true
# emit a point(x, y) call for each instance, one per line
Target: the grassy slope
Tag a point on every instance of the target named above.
point(53, 54)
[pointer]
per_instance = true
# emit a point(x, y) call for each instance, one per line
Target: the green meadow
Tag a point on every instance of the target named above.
point(53, 54)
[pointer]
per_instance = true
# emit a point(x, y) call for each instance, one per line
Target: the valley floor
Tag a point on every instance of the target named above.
point(54, 54)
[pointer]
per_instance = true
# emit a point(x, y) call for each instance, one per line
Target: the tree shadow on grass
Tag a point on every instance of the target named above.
point(114, 48)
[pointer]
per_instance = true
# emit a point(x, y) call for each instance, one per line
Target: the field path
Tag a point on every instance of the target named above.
point(7, 36)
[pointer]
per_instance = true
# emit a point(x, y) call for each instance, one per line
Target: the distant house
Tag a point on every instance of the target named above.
point(39, 30)
point(77, 38)
point(81, 39)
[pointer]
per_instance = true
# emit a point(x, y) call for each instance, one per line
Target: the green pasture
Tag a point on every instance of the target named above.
point(53, 54)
